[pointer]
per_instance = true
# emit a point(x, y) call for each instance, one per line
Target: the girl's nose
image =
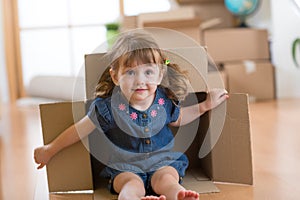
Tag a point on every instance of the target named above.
point(140, 79)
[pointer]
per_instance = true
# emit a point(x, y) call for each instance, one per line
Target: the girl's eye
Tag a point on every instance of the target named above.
point(130, 72)
point(149, 72)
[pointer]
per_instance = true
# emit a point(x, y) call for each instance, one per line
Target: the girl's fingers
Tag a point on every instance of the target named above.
point(41, 166)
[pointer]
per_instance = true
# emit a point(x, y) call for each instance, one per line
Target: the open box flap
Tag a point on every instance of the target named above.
point(69, 170)
point(231, 158)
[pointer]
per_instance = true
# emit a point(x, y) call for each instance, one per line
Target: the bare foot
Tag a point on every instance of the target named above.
point(187, 195)
point(161, 197)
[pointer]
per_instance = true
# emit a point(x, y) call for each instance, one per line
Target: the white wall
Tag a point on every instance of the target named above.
point(285, 27)
point(262, 16)
point(283, 23)
point(3, 79)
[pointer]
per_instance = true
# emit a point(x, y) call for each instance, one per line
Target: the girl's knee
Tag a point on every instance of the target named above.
point(165, 175)
point(127, 179)
point(167, 172)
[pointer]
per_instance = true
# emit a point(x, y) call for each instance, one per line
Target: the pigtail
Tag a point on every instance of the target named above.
point(175, 82)
point(105, 85)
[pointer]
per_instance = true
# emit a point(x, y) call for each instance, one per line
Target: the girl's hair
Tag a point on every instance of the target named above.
point(140, 47)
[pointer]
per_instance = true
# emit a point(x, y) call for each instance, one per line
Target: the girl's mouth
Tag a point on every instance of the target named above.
point(139, 90)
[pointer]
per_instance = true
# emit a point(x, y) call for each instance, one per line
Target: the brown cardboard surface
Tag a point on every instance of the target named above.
point(188, 27)
point(182, 13)
point(255, 78)
point(207, 11)
point(70, 170)
point(128, 23)
point(70, 196)
point(199, 1)
point(236, 44)
point(217, 79)
point(231, 156)
point(171, 39)
point(194, 13)
point(181, 23)
point(182, 20)
point(213, 16)
point(229, 161)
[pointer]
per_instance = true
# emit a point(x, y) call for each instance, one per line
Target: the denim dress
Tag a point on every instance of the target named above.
point(137, 141)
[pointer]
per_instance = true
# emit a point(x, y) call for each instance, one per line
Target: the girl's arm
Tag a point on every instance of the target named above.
point(188, 114)
point(71, 135)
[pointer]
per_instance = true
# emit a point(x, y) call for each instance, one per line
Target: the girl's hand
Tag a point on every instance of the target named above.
point(215, 97)
point(42, 156)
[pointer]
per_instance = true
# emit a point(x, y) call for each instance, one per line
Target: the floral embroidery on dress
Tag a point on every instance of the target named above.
point(161, 101)
point(133, 116)
point(153, 113)
point(122, 106)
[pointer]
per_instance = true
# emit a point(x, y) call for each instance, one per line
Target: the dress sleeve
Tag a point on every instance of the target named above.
point(175, 111)
point(100, 114)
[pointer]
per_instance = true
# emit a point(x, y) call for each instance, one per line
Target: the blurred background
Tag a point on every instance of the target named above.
point(43, 37)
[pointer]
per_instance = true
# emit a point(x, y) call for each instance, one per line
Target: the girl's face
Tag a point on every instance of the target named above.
point(138, 82)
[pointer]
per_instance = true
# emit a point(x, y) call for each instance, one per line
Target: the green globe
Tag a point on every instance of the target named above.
point(241, 8)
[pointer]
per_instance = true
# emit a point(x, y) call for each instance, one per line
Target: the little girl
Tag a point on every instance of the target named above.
point(137, 98)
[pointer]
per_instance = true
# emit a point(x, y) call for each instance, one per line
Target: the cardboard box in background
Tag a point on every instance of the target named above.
point(182, 13)
point(182, 20)
point(230, 159)
point(128, 23)
point(237, 44)
point(213, 15)
point(255, 78)
point(217, 79)
point(182, 2)
point(190, 19)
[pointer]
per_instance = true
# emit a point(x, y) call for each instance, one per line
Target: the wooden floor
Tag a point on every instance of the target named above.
point(276, 159)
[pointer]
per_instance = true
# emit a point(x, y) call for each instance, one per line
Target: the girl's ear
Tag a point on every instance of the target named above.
point(114, 76)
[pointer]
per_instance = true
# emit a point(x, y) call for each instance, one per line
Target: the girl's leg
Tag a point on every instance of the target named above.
point(129, 186)
point(165, 181)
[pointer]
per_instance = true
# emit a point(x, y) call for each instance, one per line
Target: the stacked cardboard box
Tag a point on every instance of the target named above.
point(183, 20)
point(216, 153)
point(189, 18)
point(245, 57)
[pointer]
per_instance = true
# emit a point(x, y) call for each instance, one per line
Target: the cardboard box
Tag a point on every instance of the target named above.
point(213, 16)
point(182, 20)
point(128, 23)
point(73, 169)
point(182, 13)
point(237, 44)
point(199, 1)
point(191, 19)
point(217, 79)
point(255, 78)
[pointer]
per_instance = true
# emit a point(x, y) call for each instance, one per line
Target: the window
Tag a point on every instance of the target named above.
point(56, 34)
